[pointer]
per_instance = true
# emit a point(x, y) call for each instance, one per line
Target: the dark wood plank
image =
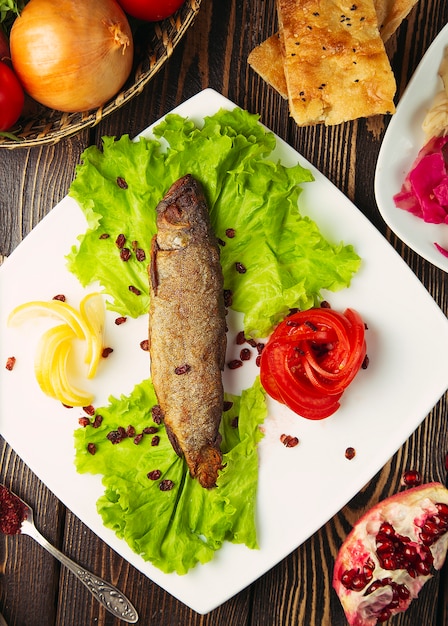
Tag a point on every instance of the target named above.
point(34, 590)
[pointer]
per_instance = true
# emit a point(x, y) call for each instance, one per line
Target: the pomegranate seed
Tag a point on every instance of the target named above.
point(90, 410)
point(157, 414)
point(403, 592)
point(104, 236)
point(149, 430)
point(442, 508)
point(144, 345)
point(91, 447)
point(84, 421)
point(125, 254)
point(138, 438)
point(374, 586)
point(120, 320)
point(166, 485)
point(260, 347)
point(235, 364)
point(235, 421)
point(245, 354)
point(154, 475)
point(121, 182)
point(60, 297)
point(258, 361)
point(155, 441)
point(227, 405)
point(114, 436)
point(354, 579)
point(130, 431)
point(240, 268)
point(221, 242)
point(230, 233)
point(120, 241)
point(350, 453)
point(365, 363)
point(97, 421)
point(325, 304)
point(134, 290)
point(240, 338)
point(10, 362)
point(106, 351)
point(140, 254)
point(384, 615)
point(412, 478)
point(288, 441)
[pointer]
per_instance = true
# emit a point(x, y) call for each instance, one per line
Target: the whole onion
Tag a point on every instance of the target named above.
point(72, 55)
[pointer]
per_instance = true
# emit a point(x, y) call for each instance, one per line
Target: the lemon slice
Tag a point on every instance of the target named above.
point(50, 366)
point(65, 391)
point(94, 315)
point(55, 345)
point(54, 308)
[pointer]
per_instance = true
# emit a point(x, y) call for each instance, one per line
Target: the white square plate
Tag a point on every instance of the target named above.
point(300, 488)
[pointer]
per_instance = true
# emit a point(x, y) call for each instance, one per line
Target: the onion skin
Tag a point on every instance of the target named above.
point(72, 55)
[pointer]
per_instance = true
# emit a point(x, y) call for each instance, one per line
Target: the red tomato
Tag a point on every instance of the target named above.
point(150, 10)
point(311, 358)
point(11, 97)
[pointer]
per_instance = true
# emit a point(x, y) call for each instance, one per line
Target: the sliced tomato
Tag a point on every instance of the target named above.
point(286, 387)
point(311, 358)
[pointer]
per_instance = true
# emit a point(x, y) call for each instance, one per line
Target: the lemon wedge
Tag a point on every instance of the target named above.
point(54, 308)
point(54, 349)
point(50, 366)
point(94, 315)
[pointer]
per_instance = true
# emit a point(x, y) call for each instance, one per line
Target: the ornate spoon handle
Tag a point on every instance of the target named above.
point(108, 595)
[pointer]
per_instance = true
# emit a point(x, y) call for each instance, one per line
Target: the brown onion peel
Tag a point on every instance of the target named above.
point(72, 55)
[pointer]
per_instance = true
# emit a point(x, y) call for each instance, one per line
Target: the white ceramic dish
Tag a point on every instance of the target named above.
point(299, 488)
point(403, 139)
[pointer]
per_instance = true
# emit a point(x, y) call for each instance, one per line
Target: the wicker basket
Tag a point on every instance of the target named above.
point(153, 42)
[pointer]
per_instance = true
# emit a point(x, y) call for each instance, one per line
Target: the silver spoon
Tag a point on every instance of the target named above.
point(108, 595)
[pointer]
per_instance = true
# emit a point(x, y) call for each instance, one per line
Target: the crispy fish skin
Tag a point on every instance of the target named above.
point(187, 329)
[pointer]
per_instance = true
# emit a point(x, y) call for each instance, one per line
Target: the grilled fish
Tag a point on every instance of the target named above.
point(187, 330)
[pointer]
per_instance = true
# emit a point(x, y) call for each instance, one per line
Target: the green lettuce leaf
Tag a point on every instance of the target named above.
point(287, 261)
point(179, 528)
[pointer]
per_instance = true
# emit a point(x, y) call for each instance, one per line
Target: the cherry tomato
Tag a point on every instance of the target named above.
point(311, 358)
point(150, 10)
point(11, 97)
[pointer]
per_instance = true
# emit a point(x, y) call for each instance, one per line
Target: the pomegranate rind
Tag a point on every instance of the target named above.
point(407, 511)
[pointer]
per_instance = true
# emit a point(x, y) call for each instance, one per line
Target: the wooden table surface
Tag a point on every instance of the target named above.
point(34, 589)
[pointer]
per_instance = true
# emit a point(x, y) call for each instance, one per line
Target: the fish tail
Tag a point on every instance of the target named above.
point(206, 466)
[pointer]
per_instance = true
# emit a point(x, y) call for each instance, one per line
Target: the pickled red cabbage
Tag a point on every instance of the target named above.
point(424, 192)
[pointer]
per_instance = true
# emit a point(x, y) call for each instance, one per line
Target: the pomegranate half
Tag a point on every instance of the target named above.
point(391, 552)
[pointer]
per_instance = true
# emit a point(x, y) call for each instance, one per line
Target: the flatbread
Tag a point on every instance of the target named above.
point(267, 58)
point(335, 63)
point(390, 14)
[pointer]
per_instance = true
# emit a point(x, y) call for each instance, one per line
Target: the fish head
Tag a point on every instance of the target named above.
point(182, 216)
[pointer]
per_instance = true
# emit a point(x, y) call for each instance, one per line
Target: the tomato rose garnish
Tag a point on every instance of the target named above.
point(311, 358)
